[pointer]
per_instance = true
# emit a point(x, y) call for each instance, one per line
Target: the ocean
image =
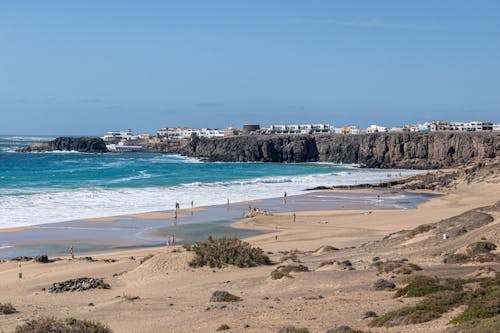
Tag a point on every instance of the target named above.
point(39, 188)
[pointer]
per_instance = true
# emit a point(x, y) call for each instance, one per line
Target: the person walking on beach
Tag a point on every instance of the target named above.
point(284, 198)
point(72, 252)
point(192, 204)
point(294, 217)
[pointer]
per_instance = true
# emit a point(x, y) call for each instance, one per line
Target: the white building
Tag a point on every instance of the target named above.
point(120, 135)
point(397, 129)
point(121, 147)
point(376, 129)
point(298, 129)
point(460, 126)
point(496, 127)
point(177, 133)
point(477, 126)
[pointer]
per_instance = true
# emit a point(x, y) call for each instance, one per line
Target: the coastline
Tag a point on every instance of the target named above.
point(192, 224)
point(267, 304)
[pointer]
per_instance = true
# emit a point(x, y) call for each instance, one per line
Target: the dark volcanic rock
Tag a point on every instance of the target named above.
point(381, 150)
point(43, 258)
point(80, 284)
point(384, 285)
point(80, 144)
point(223, 296)
point(22, 258)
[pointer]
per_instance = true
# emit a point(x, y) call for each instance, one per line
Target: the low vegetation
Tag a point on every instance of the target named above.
point(481, 299)
point(69, 325)
point(7, 308)
point(488, 325)
point(224, 296)
point(227, 251)
point(146, 258)
point(400, 267)
point(422, 285)
point(223, 327)
point(344, 264)
point(420, 230)
point(475, 252)
point(285, 270)
point(292, 255)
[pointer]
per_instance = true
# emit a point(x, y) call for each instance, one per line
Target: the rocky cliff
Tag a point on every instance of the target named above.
point(80, 144)
point(381, 150)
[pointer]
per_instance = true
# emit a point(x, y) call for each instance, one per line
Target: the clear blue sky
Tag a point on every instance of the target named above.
point(84, 67)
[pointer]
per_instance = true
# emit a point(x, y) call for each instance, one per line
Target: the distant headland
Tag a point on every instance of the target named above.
point(411, 150)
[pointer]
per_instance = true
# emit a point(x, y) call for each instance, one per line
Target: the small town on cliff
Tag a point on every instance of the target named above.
point(177, 136)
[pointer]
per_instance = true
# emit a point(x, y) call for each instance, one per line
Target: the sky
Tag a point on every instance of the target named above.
point(87, 67)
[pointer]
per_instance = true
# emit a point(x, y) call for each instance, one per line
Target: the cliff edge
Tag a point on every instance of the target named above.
point(380, 150)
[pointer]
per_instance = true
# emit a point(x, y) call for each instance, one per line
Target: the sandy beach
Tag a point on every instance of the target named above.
point(173, 297)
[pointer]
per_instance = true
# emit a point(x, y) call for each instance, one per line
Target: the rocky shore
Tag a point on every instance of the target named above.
point(79, 144)
point(380, 150)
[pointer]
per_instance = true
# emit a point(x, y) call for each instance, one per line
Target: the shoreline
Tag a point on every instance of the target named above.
point(337, 288)
point(362, 188)
point(152, 228)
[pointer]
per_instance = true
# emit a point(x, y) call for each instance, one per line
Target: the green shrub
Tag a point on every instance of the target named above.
point(69, 325)
point(227, 251)
point(422, 285)
point(396, 266)
point(483, 303)
point(429, 309)
point(489, 325)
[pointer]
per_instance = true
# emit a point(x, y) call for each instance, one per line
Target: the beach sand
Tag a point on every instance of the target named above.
point(175, 297)
point(17, 229)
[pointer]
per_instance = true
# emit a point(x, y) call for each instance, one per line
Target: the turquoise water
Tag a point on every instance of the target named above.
point(37, 188)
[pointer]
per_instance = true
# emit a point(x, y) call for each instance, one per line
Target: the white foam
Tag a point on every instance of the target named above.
point(26, 138)
point(40, 207)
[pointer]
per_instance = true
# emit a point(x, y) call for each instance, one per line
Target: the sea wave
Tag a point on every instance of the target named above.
point(20, 138)
point(90, 202)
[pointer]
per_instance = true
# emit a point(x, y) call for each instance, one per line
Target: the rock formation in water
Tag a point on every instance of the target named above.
point(380, 150)
point(80, 144)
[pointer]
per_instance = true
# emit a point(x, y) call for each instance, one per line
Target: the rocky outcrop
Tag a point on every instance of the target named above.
point(80, 284)
point(79, 144)
point(381, 150)
point(254, 148)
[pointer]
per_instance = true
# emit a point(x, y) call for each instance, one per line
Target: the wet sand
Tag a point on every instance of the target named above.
point(152, 228)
